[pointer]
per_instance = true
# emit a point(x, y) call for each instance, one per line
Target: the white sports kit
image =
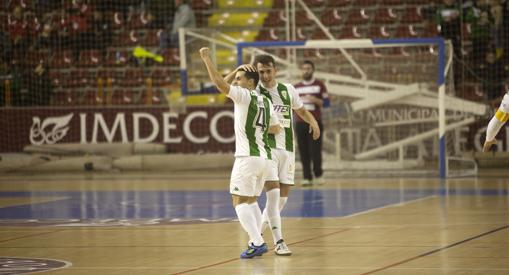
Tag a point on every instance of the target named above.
point(253, 113)
point(285, 98)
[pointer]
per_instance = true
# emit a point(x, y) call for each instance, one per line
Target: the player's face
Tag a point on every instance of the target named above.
point(267, 74)
point(241, 80)
point(307, 71)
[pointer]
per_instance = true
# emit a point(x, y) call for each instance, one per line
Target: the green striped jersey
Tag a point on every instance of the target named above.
point(253, 113)
point(285, 98)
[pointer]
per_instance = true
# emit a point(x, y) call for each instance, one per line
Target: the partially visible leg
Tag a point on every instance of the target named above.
point(316, 151)
point(247, 217)
point(271, 211)
point(302, 133)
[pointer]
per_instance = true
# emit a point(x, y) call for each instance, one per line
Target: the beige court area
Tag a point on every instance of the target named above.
point(457, 226)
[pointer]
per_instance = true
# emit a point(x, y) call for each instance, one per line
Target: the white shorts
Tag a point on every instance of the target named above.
point(248, 176)
point(282, 167)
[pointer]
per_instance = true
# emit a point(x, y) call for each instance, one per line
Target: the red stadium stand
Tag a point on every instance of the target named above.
point(61, 59)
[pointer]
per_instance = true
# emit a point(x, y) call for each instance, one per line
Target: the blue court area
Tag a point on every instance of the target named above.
point(191, 205)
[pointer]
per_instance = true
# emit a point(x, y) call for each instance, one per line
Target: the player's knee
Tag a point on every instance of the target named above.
point(269, 185)
point(285, 190)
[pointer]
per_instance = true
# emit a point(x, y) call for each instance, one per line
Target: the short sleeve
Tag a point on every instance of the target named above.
point(296, 101)
point(239, 95)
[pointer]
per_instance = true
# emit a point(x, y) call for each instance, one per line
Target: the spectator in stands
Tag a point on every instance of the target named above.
point(18, 31)
point(497, 11)
point(481, 21)
point(101, 31)
point(162, 11)
point(505, 28)
point(39, 85)
point(448, 18)
point(46, 39)
point(183, 18)
point(314, 96)
point(5, 46)
point(492, 73)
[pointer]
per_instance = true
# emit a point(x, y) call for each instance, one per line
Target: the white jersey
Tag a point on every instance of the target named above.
point(285, 98)
point(253, 113)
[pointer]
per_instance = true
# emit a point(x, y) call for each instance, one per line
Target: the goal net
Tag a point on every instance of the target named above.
point(393, 107)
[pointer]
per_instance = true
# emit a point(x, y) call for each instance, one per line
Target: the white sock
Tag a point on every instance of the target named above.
point(265, 219)
point(273, 215)
point(247, 219)
point(282, 203)
point(258, 214)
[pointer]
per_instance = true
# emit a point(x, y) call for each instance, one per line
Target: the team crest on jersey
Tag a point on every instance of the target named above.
point(284, 94)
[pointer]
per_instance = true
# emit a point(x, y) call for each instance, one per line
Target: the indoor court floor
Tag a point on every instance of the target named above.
point(184, 224)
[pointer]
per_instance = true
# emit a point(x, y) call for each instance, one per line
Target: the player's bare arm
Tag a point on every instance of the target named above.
point(214, 75)
point(308, 117)
point(488, 144)
point(245, 67)
point(275, 129)
point(314, 100)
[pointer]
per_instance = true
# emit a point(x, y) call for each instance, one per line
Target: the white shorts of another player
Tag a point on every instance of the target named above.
point(248, 176)
point(282, 167)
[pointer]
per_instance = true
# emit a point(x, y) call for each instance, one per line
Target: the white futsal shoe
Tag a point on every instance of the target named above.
point(282, 249)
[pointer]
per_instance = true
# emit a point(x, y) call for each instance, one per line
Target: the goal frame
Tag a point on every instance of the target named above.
point(345, 44)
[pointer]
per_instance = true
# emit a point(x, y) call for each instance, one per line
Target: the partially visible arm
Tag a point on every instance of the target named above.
point(274, 129)
point(494, 126)
point(231, 76)
point(214, 75)
point(310, 119)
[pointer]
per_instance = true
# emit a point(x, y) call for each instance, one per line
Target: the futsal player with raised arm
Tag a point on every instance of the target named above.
point(253, 116)
point(282, 169)
point(496, 123)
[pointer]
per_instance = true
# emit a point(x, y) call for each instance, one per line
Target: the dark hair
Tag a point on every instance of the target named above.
point(251, 75)
point(265, 59)
point(309, 63)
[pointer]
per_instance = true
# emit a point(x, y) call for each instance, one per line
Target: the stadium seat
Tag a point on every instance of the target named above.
point(152, 38)
point(201, 4)
point(161, 78)
point(171, 57)
point(63, 98)
point(109, 77)
point(382, 31)
point(385, 16)
point(61, 60)
point(412, 15)
point(271, 34)
point(303, 33)
point(57, 78)
point(118, 20)
point(90, 98)
point(365, 3)
point(333, 17)
point(33, 58)
point(339, 3)
point(90, 58)
point(122, 97)
point(275, 19)
point(359, 16)
point(116, 58)
point(140, 20)
point(133, 78)
point(393, 2)
point(127, 39)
